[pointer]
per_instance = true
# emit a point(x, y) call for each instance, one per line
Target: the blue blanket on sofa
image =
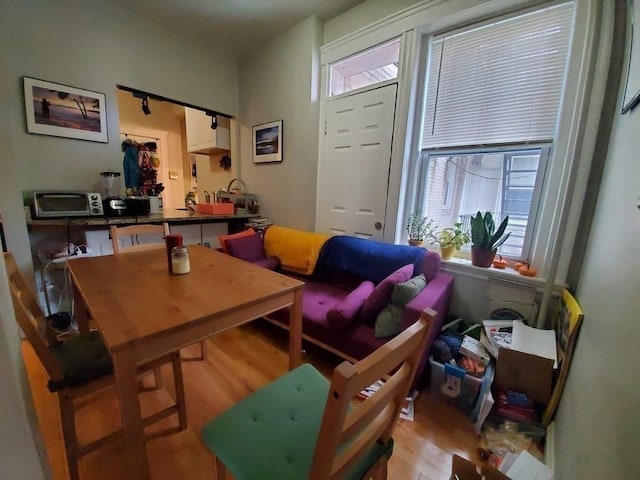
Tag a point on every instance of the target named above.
point(368, 259)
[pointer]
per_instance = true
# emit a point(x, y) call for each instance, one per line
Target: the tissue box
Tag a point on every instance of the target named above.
point(215, 208)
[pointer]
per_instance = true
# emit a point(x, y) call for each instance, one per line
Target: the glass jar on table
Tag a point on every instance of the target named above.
point(180, 263)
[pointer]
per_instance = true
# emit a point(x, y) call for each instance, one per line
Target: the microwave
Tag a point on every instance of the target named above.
point(54, 204)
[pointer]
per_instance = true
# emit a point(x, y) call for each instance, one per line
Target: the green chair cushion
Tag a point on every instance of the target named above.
point(82, 358)
point(273, 432)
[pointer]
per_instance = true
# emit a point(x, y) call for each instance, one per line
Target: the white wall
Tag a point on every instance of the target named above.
point(93, 45)
point(362, 15)
point(280, 82)
point(598, 425)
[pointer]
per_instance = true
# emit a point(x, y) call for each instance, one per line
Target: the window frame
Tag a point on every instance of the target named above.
point(422, 174)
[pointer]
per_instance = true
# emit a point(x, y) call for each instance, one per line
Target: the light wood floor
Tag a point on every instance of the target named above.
point(240, 360)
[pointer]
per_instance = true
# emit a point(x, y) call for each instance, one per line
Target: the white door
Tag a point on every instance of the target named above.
point(353, 174)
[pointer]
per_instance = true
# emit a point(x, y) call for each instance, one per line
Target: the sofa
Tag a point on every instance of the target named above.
point(349, 283)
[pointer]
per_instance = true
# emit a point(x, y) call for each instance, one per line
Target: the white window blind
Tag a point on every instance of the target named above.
point(500, 82)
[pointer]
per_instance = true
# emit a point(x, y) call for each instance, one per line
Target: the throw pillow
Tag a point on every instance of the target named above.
point(382, 293)
point(347, 310)
point(247, 248)
point(405, 291)
point(389, 321)
point(222, 239)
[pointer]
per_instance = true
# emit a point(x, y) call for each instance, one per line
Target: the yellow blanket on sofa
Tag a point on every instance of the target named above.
point(297, 250)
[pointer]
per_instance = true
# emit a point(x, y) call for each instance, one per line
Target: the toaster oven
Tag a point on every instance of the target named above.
point(55, 204)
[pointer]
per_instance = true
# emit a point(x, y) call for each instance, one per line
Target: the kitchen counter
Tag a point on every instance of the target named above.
point(172, 216)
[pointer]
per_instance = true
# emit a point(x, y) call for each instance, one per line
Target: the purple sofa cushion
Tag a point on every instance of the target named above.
point(347, 310)
point(430, 265)
point(247, 248)
point(271, 263)
point(382, 293)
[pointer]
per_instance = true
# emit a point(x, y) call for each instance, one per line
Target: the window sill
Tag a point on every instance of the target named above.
point(463, 266)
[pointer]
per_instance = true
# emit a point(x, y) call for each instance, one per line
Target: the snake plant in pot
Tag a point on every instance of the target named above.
point(485, 239)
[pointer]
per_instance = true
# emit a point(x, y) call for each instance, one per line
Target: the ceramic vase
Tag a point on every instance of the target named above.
point(481, 257)
point(447, 252)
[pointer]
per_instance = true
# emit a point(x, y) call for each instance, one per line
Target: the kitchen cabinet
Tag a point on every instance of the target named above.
point(201, 138)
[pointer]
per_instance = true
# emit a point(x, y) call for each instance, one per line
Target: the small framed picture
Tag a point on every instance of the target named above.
point(267, 142)
point(64, 111)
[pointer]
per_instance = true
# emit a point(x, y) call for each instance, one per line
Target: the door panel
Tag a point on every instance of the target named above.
point(354, 169)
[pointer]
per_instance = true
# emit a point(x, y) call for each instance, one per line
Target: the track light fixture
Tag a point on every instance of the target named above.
point(214, 121)
point(145, 105)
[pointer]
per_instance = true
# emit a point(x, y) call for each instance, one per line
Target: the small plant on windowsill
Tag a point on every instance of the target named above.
point(450, 239)
point(485, 239)
point(419, 228)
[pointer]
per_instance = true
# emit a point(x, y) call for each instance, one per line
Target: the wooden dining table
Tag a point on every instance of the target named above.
point(144, 312)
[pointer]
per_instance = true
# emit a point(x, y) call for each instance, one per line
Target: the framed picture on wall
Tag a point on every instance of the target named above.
point(64, 111)
point(267, 142)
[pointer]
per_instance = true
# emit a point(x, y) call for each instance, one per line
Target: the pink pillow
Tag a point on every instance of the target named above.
point(346, 310)
point(382, 293)
point(223, 239)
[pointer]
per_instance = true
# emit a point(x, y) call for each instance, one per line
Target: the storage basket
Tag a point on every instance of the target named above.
point(243, 201)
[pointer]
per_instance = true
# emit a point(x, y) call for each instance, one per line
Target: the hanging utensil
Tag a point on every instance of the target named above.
point(207, 197)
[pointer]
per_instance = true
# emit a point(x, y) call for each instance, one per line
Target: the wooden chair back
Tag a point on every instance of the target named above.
point(135, 232)
point(31, 319)
point(348, 432)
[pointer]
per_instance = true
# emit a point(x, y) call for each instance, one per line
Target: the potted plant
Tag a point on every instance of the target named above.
point(419, 228)
point(485, 239)
point(450, 239)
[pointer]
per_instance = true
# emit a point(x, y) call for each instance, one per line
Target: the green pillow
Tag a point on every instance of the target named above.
point(389, 321)
point(404, 292)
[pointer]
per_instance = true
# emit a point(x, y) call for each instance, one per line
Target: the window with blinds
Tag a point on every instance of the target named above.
point(491, 106)
point(499, 82)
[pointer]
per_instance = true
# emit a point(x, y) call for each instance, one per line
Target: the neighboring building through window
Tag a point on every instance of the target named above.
point(375, 65)
point(491, 106)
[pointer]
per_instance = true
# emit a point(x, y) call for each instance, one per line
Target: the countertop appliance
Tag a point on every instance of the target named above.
point(114, 205)
point(137, 206)
point(56, 204)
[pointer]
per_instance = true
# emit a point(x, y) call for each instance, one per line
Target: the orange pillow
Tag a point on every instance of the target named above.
point(222, 239)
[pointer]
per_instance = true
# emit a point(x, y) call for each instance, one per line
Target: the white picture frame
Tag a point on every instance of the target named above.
point(267, 142)
point(64, 111)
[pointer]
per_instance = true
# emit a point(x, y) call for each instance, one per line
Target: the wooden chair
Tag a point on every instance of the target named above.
point(78, 367)
point(139, 232)
point(301, 427)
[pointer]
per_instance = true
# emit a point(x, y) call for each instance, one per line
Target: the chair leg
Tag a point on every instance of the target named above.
point(179, 386)
point(220, 470)
point(380, 472)
point(70, 437)
point(201, 357)
point(157, 376)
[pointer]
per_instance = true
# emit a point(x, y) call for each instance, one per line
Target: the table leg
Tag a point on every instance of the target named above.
point(131, 415)
point(295, 331)
point(80, 312)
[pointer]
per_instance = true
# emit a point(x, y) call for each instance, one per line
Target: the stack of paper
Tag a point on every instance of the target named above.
point(535, 341)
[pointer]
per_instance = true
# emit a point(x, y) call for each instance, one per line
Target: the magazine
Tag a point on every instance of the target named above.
point(497, 334)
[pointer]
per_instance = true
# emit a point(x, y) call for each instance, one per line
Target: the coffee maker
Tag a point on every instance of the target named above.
point(113, 204)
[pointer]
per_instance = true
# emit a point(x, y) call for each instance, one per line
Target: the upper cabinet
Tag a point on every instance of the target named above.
point(201, 138)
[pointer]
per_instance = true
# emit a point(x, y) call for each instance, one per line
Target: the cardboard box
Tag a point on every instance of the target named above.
point(215, 208)
point(526, 373)
point(462, 469)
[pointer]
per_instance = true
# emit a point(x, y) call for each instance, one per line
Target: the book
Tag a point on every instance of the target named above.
point(497, 334)
point(407, 411)
point(472, 348)
point(568, 321)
